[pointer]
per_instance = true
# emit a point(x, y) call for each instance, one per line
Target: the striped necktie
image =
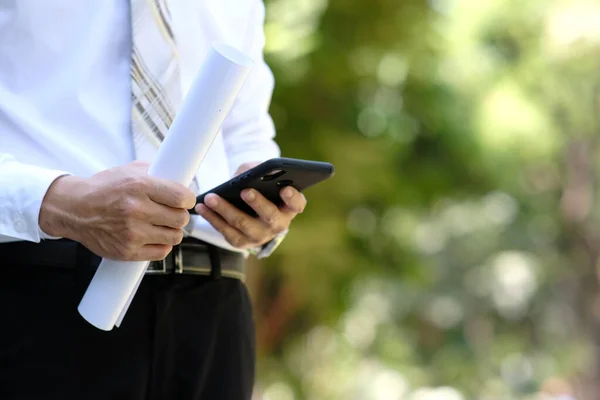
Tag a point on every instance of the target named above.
point(155, 84)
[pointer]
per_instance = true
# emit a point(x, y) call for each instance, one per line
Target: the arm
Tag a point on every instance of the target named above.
point(248, 131)
point(22, 190)
point(121, 213)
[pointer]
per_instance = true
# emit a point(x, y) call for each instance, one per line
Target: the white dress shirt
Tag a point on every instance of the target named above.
point(65, 97)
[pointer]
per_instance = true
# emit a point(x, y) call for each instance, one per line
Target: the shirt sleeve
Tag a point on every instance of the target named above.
point(248, 130)
point(22, 189)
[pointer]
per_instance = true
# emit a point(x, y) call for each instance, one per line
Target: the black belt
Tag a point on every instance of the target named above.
point(191, 257)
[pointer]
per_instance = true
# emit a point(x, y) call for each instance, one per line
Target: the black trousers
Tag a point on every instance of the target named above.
point(184, 337)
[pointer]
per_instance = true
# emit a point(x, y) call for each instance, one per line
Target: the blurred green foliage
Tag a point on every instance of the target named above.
point(457, 246)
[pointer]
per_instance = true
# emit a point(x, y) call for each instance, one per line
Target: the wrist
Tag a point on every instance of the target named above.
point(55, 218)
point(269, 248)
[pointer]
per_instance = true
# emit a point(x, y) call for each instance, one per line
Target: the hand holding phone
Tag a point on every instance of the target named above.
point(249, 209)
point(269, 178)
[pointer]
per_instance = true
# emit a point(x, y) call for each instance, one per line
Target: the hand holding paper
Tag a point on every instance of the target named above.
point(195, 127)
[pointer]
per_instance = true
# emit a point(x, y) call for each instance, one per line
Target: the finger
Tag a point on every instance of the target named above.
point(152, 252)
point(158, 214)
point(254, 228)
point(295, 201)
point(233, 236)
point(171, 194)
point(266, 210)
point(162, 235)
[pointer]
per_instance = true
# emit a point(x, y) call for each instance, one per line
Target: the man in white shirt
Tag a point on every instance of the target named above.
point(68, 176)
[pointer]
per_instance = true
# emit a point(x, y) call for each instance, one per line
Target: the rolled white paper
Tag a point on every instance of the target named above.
point(192, 132)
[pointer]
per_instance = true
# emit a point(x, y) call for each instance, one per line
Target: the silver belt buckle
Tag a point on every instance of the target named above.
point(178, 259)
point(180, 268)
point(161, 271)
point(163, 263)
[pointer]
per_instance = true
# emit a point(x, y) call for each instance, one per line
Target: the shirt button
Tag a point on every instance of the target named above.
point(20, 225)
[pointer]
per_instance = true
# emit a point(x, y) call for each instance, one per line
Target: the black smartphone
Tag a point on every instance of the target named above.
point(269, 178)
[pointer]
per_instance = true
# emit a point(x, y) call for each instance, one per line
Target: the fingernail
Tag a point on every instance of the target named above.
point(288, 193)
point(211, 201)
point(249, 195)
